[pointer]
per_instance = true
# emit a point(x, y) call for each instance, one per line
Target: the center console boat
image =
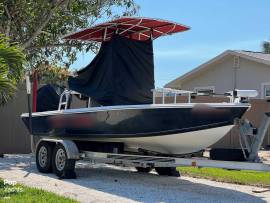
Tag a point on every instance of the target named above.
point(120, 81)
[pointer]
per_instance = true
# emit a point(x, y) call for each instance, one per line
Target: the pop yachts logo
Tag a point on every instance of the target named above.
point(10, 182)
point(10, 187)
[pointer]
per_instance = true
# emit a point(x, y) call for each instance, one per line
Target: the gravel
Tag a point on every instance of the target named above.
point(104, 183)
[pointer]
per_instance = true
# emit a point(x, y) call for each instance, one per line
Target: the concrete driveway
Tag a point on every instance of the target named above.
point(103, 183)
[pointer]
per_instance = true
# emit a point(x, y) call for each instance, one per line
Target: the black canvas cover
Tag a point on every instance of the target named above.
point(48, 97)
point(121, 73)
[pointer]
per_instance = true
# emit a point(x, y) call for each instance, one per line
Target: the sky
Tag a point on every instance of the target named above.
point(216, 26)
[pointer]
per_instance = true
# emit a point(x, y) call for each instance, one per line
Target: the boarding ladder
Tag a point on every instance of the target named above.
point(66, 95)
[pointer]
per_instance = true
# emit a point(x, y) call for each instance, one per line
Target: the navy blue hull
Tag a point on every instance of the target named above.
point(132, 122)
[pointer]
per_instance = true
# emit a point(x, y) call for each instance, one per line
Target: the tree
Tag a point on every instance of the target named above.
point(38, 25)
point(11, 69)
point(266, 47)
point(53, 74)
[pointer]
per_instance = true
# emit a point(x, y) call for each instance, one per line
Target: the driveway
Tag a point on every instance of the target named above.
point(103, 183)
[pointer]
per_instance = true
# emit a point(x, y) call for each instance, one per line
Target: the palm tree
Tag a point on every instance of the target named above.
point(266, 47)
point(11, 69)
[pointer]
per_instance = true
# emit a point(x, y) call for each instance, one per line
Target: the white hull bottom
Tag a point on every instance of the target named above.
point(182, 143)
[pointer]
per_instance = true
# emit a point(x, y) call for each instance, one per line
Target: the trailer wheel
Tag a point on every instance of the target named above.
point(143, 170)
point(62, 166)
point(167, 171)
point(44, 157)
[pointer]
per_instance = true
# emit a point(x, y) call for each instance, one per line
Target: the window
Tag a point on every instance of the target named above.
point(265, 90)
point(205, 90)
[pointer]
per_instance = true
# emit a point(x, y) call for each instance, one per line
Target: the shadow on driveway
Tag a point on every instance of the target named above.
point(125, 183)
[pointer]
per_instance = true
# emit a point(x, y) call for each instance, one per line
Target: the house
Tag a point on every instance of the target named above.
point(230, 70)
point(227, 71)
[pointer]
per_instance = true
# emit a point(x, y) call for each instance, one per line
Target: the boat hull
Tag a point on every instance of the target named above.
point(169, 129)
point(179, 143)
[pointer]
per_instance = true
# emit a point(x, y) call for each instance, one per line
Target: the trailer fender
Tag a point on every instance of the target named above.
point(70, 147)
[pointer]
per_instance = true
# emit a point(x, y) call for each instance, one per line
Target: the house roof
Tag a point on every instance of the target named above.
point(253, 56)
point(258, 55)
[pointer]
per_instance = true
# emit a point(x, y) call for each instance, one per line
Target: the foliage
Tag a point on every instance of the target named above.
point(19, 193)
point(230, 176)
point(11, 67)
point(38, 25)
point(266, 47)
point(53, 74)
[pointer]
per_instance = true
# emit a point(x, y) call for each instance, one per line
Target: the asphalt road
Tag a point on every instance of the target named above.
point(103, 183)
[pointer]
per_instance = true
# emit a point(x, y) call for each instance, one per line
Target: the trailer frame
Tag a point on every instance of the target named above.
point(144, 161)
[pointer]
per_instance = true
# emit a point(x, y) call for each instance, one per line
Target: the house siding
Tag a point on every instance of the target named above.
point(224, 77)
point(252, 74)
point(220, 75)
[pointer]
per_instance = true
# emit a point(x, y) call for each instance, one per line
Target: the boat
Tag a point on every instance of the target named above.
point(119, 86)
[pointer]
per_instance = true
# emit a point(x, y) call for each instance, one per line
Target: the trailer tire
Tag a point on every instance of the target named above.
point(143, 170)
point(61, 165)
point(167, 171)
point(44, 157)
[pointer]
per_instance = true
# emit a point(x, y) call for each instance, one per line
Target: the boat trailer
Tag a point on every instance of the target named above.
point(250, 139)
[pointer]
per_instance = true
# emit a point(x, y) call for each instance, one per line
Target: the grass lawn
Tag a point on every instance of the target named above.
point(261, 179)
point(17, 193)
